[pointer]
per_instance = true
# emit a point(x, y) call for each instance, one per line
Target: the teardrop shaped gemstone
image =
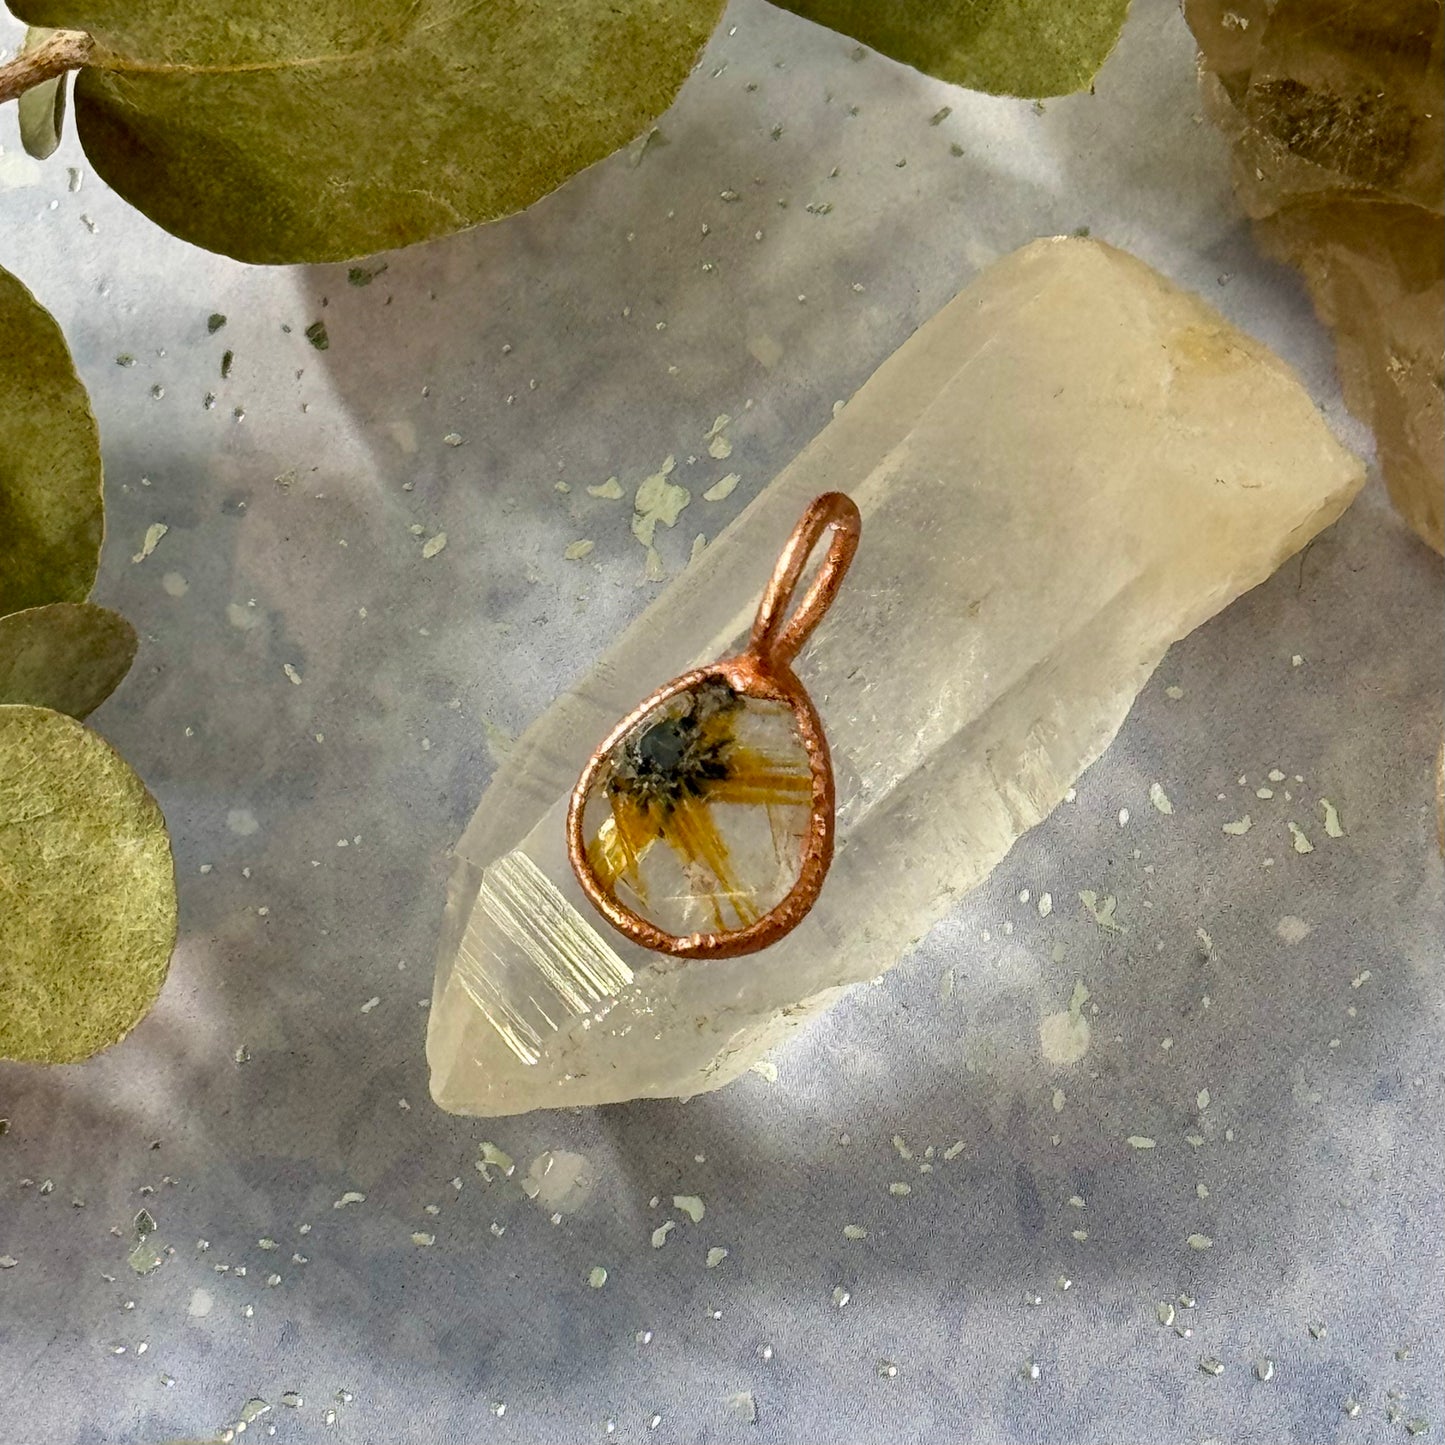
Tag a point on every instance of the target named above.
point(698, 817)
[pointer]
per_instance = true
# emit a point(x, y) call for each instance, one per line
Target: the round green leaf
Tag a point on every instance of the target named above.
point(41, 112)
point(87, 891)
point(69, 656)
point(51, 521)
point(41, 109)
point(279, 131)
point(1006, 47)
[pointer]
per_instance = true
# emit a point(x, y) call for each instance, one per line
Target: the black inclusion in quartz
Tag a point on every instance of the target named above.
point(663, 746)
point(680, 755)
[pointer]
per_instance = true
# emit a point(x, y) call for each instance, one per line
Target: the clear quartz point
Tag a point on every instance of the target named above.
point(1068, 468)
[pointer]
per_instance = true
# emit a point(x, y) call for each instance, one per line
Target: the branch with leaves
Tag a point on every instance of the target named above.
point(48, 55)
point(87, 885)
point(280, 132)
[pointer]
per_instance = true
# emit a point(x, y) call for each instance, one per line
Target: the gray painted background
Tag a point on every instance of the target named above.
point(1321, 1159)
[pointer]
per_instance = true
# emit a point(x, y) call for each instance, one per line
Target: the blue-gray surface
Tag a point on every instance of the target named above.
point(540, 343)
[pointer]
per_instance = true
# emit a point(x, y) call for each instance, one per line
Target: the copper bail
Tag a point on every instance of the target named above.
point(655, 817)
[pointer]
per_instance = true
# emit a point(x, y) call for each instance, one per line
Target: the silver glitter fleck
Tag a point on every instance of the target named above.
point(744, 1407)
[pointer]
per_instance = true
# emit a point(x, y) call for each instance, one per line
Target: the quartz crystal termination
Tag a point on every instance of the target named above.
point(1067, 469)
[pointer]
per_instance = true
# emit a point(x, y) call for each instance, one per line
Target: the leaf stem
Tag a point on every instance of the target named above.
point(57, 53)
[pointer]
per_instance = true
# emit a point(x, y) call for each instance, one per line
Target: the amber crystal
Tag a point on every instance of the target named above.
point(1334, 113)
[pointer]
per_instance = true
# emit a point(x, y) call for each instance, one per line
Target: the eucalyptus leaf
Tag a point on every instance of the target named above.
point(87, 891)
point(41, 108)
point(68, 656)
point(278, 131)
point(1006, 47)
point(41, 112)
point(51, 521)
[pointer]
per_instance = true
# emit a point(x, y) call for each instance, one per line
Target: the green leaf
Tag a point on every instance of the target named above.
point(51, 521)
point(277, 130)
point(41, 109)
point(69, 656)
point(1006, 47)
point(87, 891)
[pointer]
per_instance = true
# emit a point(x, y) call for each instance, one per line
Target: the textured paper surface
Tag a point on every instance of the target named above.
point(1323, 1210)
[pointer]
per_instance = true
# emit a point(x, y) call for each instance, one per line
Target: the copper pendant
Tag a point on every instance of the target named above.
point(702, 826)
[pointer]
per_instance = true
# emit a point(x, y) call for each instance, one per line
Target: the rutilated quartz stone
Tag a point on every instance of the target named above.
point(1068, 468)
point(698, 820)
point(1334, 112)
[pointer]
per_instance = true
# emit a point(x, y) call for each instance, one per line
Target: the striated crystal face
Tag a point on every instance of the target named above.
point(698, 817)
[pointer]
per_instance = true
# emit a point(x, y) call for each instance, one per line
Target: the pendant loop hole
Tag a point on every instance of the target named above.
point(778, 636)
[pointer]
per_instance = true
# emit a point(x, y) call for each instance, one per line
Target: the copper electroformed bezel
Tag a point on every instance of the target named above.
point(763, 670)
